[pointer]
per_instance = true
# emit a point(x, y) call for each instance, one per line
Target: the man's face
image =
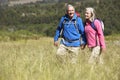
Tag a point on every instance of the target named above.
point(70, 12)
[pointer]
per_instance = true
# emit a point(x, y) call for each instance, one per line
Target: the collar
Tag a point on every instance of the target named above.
point(66, 17)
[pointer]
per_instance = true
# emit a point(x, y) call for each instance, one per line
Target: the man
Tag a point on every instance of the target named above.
point(72, 31)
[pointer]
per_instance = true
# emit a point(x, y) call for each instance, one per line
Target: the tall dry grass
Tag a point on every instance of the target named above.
point(35, 60)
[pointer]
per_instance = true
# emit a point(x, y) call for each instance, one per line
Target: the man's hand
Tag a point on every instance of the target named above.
point(83, 46)
point(56, 43)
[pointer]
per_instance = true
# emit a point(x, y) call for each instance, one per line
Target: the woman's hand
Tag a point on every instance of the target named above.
point(102, 50)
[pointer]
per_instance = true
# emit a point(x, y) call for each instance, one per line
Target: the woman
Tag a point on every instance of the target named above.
point(95, 38)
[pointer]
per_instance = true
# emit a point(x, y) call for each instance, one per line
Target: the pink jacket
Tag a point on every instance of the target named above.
point(91, 34)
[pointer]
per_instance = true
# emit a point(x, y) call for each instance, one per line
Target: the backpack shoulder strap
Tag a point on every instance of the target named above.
point(63, 22)
point(75, 23)
point(62, 27)
point(93, 25)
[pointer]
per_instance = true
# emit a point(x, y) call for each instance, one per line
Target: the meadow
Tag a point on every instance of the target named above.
point(36, 60)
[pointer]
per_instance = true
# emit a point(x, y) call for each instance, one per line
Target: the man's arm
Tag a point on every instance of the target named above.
point(58, 30)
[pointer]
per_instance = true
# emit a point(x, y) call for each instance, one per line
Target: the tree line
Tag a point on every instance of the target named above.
point(43, 18)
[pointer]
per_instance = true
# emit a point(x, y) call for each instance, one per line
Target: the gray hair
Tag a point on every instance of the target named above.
point(69, 5)
point(92, 13)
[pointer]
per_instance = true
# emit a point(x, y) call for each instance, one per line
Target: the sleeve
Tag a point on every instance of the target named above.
point(82, 31)
point(58, 30)
point(100, 33)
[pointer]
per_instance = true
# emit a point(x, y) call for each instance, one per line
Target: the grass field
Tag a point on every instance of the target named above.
point(35, 60)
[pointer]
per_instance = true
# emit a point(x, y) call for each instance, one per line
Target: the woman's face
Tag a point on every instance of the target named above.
point(70, 12)
point(88, 14)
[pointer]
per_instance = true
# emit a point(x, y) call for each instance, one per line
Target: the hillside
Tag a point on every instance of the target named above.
point(16, 2)
point(43, 18)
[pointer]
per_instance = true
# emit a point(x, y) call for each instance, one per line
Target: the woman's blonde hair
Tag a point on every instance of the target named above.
point(92, 11)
